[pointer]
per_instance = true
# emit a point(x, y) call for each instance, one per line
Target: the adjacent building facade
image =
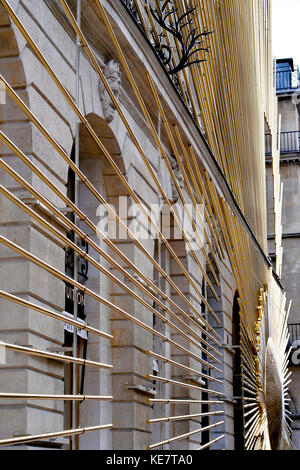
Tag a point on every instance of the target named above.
point(287, 84)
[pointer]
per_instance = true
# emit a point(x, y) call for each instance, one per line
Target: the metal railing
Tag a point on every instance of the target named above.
point(289, 142)
point(287, 79)
point(294, 330)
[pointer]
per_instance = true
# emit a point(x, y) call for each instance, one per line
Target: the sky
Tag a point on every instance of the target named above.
point(286, 28)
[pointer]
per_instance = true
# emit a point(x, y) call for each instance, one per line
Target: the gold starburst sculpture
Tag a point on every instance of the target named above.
point(265, 376)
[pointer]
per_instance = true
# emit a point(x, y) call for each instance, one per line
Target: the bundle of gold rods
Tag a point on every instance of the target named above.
point(67, 222)
point(212, 92)
point(118, 172)
point(97, 265)
point(100, 299)
point(84, 218)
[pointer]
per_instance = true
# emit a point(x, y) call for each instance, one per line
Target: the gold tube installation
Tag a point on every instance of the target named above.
point(100, 73)
point(83, 235)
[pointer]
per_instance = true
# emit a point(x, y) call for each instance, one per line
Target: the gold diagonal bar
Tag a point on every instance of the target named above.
point(196, 176)
point(154, 133)
point(183, 436)
point(181, 366)
point(167, 401)
point(182, 384)
point(166, 160)
point(39, 396)
point(50, 313)
point(54, 356)
point(208, 444)
point(50, 435)
point(167, 419)
point(200, 197)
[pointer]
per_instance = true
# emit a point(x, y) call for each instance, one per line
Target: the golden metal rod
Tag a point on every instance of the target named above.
point(208, 444)
point(253, 428)
point(54, 356)
point(200, 197)
point(175, 181)
point(257, 416)
point(50, 435)
point(183, 417)
point(165, 33)
point(183, 436)
point(181, 366)
point(182, 384)
point(251, 412)
point(50, 313)
point(141, 16)
point(250, 385)
point(37, 396)
point(249, 391)
point(154, 133)
point(3, 137)
point(250, 405)
point(179, 401)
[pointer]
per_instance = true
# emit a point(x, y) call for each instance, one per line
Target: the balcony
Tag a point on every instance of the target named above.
point(287, 80)
point(294, 330)
point(294, 343)
point(287, 76)
point(289, 142)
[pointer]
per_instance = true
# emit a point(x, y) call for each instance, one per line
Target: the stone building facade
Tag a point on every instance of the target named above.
point(117, 276)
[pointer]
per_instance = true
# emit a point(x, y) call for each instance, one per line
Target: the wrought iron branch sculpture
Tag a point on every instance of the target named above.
point(189, 40)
